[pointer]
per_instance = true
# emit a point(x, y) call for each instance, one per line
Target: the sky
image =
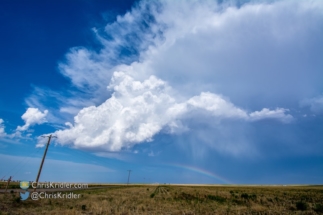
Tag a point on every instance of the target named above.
point(203, 92)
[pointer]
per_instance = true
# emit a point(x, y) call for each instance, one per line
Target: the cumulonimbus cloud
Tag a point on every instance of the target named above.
point(191, 57)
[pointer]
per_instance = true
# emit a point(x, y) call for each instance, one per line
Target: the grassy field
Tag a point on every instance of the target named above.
point(174, 199)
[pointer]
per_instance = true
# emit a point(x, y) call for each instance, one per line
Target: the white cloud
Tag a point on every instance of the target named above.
point(253, 54)
point(130, 116)
point(216, 105)
point(2, 127)
point(62, 104)
point(315, 104)
point(31, 117)
point(189, 58)
point(138, 110)
point(278, 113)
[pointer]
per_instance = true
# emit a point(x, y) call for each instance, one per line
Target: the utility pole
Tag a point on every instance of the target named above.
point(128, 176)
point(42, 162)
point(8, 183)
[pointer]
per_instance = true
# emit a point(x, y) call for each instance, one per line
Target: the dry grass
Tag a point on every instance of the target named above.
point(171, 199)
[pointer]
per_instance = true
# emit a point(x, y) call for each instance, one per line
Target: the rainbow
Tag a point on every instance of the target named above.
point(200, 171)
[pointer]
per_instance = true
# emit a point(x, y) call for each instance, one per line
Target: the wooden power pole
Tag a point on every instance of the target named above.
point(42, 162)
point(8, 183)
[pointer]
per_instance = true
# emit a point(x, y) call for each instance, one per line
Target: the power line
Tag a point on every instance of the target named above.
point(23, 162)
point(26, 162)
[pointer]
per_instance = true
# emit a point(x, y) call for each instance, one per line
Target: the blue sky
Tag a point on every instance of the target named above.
point(223, 92)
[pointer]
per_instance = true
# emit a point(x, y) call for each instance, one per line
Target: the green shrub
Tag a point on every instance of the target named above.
point(187, 196)
point(318, 208)
point(253, 197)
point(238, 202)
point(245, 196)
point(302, 206)
point(17, 199)
point(216, 198)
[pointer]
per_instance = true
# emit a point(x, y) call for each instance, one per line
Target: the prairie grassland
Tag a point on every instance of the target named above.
point(174, 199)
